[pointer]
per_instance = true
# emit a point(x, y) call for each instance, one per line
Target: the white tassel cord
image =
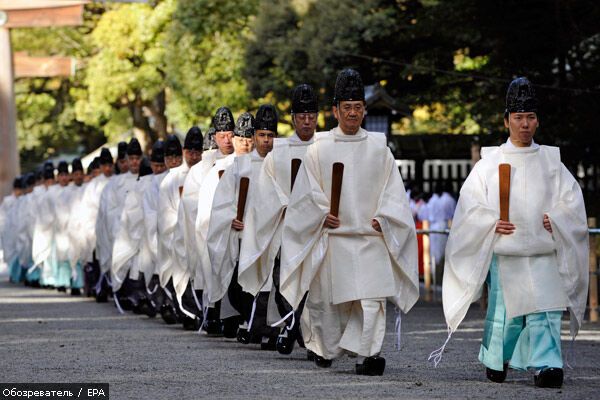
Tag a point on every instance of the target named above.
point(398, 328)
point(282, 320)
point(436, 355)
point(252, 314)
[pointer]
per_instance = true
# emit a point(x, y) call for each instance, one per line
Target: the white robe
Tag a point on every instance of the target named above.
point(168, 205)
point(150, 206)
point(206, 193)
point(43, 231)
point(63, 201)
point(75, 227)
point(185, 246)
point(539, 271)
point(129, 248)
point(264, 215)
point(109, 214)
point(6, 242)
point(337, 265)
point(222, 240)
point(88, 215)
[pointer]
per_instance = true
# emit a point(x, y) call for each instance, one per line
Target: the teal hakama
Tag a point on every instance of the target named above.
point(63, 274)
point(530, 341)
point(16, 272)
point(77, 281)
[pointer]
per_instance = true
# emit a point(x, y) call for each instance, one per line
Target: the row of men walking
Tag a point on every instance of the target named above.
point(305, 239)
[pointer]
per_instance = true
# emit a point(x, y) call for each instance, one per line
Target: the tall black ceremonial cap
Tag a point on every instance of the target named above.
point(173, 146)
point(134, 148)
point(76, 165)
point(63, 167)
point(266, 118)
point(95, 164)
point(145, 168)
point(244, 126)
point(29, 179)
point(158, 152)
point(193, 139)
point(304, 100)
point(348, 86)
point(209, 139)
point(121, 150)
point(521, 97)
point(18, 182)
point(105, 156)
point(39, 173)
point(223, 120)
point(48, 170)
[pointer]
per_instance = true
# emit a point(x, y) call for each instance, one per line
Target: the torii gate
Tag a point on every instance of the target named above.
point(21, 14)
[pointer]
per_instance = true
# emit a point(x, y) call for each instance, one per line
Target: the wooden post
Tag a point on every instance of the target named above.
point(593, 296)
point(426, 263)
point(9, 166)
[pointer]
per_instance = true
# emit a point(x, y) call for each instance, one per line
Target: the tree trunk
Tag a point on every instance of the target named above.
point(141, 125)
point(158, 113)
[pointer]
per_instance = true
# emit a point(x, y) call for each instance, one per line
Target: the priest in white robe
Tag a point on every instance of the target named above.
point(226, 232)
point(6, 224)
point(72, 229)
point(535, 264)
point(332, 257)
point(189, 286)
point(259, 254)
point(215, 312)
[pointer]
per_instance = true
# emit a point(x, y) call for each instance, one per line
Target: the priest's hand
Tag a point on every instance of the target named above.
point(504, 227)
point(331, 222)
point(547, 224)
point(375, 225)
point(237, 225)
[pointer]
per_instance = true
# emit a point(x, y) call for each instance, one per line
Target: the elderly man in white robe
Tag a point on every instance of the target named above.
point(189, 286)
point(220, 318)
point(170, 271)
point(112, 200)
point(226, 232)
point(534, 259)
point(259, 254)
point(332, 256)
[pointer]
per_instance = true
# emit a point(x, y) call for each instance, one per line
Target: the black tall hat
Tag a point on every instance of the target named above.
point(95, 164)
point(63, 167)
point(105, 156)
point(158, 152)
point(193, 139)
point(48, 170)
point(18, 183)
point(304, 100)
point(145, 168)
point(39, 173)
point(244, 126)
point(349, 86)
point(520, 96)
point(173, 146)
point(29, 179)
point(134, 148)
point(121, 150)
point(76, 165)
point(266, 118)
point(209, 139)
point(223, 120)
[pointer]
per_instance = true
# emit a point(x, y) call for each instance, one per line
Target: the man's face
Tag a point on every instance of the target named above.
point(306, 125)
point(224, 140)
point(264, 141)
point(106, 169)
point(522, 127)
point(242, 145)
point(123, 165)
point(192, 157)
point(157, 167)
point(77, 177)
point(173, 161)
point(17, 192)
point(350, 115)
point(63, 179)
point(96, 172)
point(134, 163)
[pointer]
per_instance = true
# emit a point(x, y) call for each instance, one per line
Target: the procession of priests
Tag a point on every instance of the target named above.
point(309, 240)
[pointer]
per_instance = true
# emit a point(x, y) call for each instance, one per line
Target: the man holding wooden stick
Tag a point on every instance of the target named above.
point(520, 227)
point(348, 238)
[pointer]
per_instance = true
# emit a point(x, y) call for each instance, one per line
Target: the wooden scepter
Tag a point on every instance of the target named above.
point(243, 194)
point(336, 187)
point(296, 162)
point(504, 186)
